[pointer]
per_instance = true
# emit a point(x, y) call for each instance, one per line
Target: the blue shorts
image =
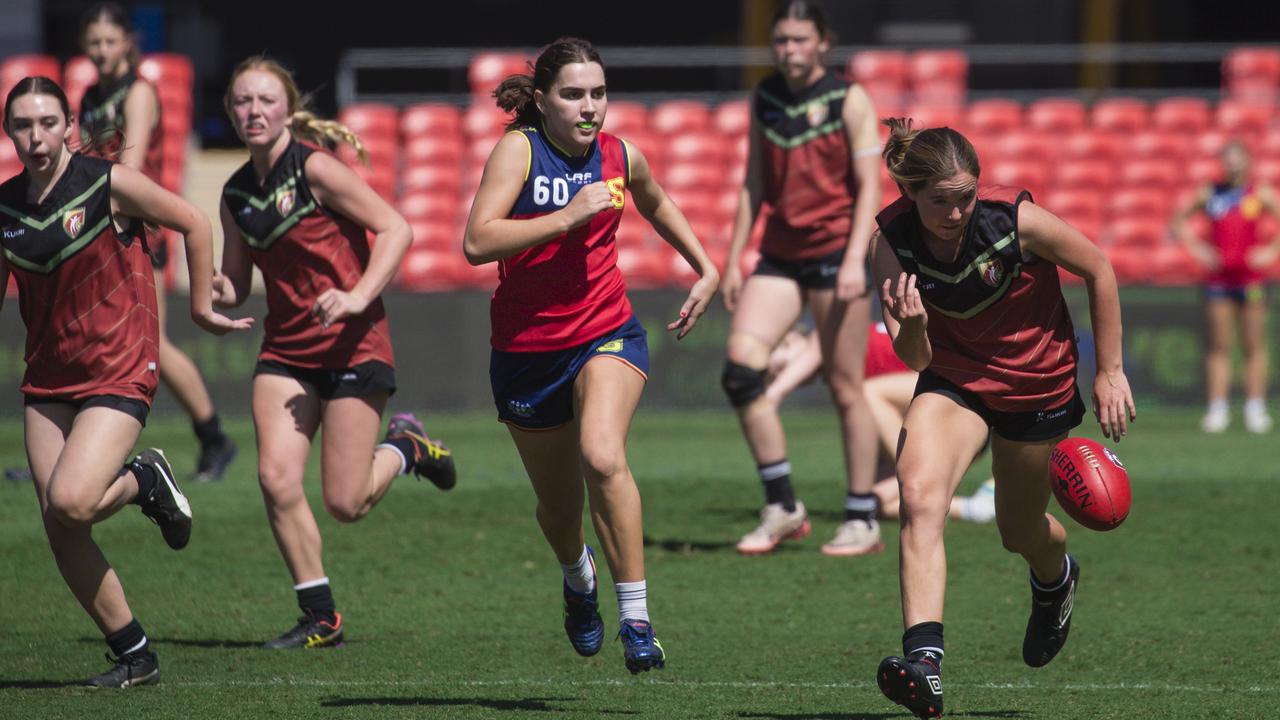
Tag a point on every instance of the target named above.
point(534, 390)
point(1239, 294)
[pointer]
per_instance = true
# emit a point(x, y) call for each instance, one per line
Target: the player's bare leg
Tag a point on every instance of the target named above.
point(1220, 316)
point(354, 475)
point(1253, 341)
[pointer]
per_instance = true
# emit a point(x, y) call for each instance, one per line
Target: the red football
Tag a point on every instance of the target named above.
point(1090, 483)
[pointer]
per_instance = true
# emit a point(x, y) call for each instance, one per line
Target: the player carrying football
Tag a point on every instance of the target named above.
point(969, 283)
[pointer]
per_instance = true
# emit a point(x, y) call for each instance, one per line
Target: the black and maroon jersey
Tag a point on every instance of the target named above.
point(86, 293)
point(998, 323)
point(809, 183)
point(102, 124)
point(304, 249)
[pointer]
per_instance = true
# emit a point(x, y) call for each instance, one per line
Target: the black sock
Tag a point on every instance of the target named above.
point(147, 480)
point(861, 507)
point(209, 432)
point(317, 601)
point(408, 448)
point(128, 640)
point(924, 641)
point(776, 478)
point(1054, 588)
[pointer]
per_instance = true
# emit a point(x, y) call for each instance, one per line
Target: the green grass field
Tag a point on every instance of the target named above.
point(453, 601)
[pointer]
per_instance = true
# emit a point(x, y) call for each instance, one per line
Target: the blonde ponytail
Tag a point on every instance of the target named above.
point(304, 124)
point(917, 157)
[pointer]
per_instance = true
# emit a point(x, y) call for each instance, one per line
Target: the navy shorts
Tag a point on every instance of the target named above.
point(136, 409)
point(1239, 294)
point(534, 390)
point(363, 380)
point(1029, 426)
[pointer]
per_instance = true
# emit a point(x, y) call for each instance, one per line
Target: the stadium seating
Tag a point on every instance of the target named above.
point(16, 67)
point(1099, 145)
point(487, 70)
point(433, 149)
point(626, 119)
point(732, 118)
point(1252, 73)
point(1181, 114)
point(1084, 174)
point(1165, 175)
point(930, 115)
point(679, 116)
point(1158, 144)
point(993, 116)
point(939, 76)
point(883, 74)
point(1123, 115)
point(1242, 118)
point(1056, 115)
point(1139, 204)
point(78, 75)
point(430, 119)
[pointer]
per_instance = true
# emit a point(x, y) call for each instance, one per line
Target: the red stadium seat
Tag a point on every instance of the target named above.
point(1029, 174)
point(1210, 143)
point(644, 267)
point(1124, 115)
point(167, 68)
point(1077, 204)
point(1252, 72)
point(1139, 203)
point(889, 100)
point(16, 67)
point(419, 206)
point(484, 119)
point(626, 118)
point(694, 200)
point(1025, 145)
point(1094, 145)
point(939, 75)
point(928, 115)
point(479, 149)
point(679, 116)
point(886, 67)
point(703, 147)
point(1056, 115)
point(1159, 144)
point(738, 150)
point(1267, 171)
point(487, 70)
point(1173, 264)
point(1165, 175)
point(1242, 117)
point(425, 269)
point(433, 150)
point(78, 75)
point(1138, 232)
point(431, 178)
point(434, 234)
point(732, 118)
point(371, 121)
point(1203, 171)
point(1084, 175)
point(678, 176)
point(993, 116)
point(1269, 144)
point(1181, 114)
point(434, 119)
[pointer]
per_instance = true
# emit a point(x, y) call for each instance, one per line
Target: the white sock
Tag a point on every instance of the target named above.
point(1255, 406)
point(1218, 407)
point(633, 600)
point(312, 583)
point(404, 461)
point(581, 575)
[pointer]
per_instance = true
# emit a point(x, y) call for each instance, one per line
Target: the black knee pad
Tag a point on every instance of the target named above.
point(741, 383)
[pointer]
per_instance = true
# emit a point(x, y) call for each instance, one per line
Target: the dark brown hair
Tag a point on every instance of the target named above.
point(515, 94)
point(810, 10)
point(916, 157)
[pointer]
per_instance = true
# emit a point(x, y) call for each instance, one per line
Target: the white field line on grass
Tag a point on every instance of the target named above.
point(742, 685)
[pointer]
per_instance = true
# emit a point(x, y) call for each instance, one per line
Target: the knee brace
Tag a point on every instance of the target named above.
point(741, 383)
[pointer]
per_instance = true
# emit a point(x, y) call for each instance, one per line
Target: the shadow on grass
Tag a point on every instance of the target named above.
point(212, 644)
point(687, 546)
point(876, 715)
point(525, 705)
point(35, 684)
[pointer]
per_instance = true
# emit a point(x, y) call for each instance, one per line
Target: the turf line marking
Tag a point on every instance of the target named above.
point(742, 685)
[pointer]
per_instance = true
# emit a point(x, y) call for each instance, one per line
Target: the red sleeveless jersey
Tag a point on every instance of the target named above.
point(86, 293)
point(809, 184)
point(1234, 214)
point(102, 121)
point(998, 323)
point(568, 290)
point(304, 249)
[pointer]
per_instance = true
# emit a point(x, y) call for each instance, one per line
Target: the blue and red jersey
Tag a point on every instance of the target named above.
point(1234, 213)
point(567, 290)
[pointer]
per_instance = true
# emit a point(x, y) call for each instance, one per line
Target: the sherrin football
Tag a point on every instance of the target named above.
point(1090, 483)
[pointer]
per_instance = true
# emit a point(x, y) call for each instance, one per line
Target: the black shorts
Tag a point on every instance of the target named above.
point(1028, 426)
point(136, 409)
point(817, 273)
point(363, 380)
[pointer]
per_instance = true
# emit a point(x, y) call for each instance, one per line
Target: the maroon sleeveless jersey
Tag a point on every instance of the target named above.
point(304, 249)
point(809, 184)
point(86, 293)
point(102, 123)
point(998, 324)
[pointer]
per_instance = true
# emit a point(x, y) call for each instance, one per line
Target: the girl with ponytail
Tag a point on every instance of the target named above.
point(968, 279)
point(569, 359)
point(302, 217)
point(120, 121)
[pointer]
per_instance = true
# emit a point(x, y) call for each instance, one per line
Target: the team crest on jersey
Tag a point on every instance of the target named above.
point(285, 202)
point(817, 113)
point(73, 222)
point(520, 408)
point(1251, 207)
point(991, 271)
